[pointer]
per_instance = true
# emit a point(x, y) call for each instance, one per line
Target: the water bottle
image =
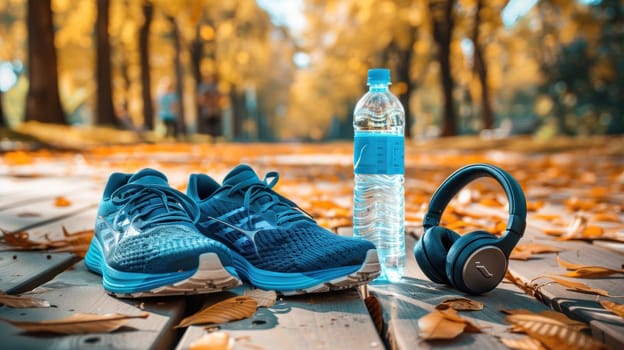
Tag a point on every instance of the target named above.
point(378, 166)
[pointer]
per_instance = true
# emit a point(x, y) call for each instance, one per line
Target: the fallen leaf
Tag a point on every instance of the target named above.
point(525, 251)
point(78, 323)
point(435, 326)
point(583, 271)
point(552, 333)
point(16, 301)
point(580, 228)
point(61, 201)
point(219, 340)
point(547, 217)
point(232, 309)
point(264, 298)
point(444, 324)
point(616, 308)
point(460, 304)
point(575, 286)
point(523, 343)
point(75, 242)
point(375, 311)
point(608, 217)
point(555, 315)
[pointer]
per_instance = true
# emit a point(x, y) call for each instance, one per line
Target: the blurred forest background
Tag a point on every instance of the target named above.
point(294, 69)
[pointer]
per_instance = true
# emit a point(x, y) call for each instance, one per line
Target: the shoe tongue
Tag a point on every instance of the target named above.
point(149, 177)
point(239, 174)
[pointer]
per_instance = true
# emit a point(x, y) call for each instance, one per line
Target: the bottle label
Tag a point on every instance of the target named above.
point(378, 154)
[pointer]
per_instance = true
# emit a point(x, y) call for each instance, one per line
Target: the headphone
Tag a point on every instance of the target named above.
point(476, 262)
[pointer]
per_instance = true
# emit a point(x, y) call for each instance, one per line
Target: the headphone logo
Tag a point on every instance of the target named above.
point(484, 271)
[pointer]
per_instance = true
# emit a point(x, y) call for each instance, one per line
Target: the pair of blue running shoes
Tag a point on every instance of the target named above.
point(153, 240)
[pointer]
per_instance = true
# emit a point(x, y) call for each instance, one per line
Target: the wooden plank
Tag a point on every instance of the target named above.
point(336, 320)
point(22, 271)
point(29, 215)
point(79, 290)
point(40, 190)
point(405, 302)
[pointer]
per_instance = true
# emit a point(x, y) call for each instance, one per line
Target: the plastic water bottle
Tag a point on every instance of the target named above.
point(378, 166)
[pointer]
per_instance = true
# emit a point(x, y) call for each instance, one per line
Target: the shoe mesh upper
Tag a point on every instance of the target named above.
point(297, 246)
point(145, 226)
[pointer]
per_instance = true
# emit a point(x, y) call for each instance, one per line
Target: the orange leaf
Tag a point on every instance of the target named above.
point(61, 201)
point(524, 343)
point(576, 286)
point(552, 333)
point(375, 311)
point(460, 304)
point(609, 217)
point(78, 323)
point(555, 315)
point(616, 308)
point(21, 301)
point(525, 251)
point(591, 272)
point(547, 217)
point(534, 205)
point(435, 326)
point(232, 309)
point(213, 341)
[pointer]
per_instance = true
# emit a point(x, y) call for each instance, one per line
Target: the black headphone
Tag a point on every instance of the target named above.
point(476, 262)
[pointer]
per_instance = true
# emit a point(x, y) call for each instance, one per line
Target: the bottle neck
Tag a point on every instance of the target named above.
point(378, 87)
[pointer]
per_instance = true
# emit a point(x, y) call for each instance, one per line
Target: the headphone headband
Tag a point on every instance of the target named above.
point(460, 178)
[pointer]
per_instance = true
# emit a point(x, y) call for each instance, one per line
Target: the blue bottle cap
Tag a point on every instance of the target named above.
point(378, 76)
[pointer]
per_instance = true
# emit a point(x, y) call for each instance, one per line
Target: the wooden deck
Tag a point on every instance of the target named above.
point(338, 320)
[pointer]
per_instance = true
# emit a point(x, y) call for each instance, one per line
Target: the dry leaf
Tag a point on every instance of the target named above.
point(264, 298)
point(232, 309)
point(608, 217)
point(75, 242)
point(460, 304)
point(61, 201)
point(575, 286)
point(525, 251)
point(78, 323)
point(580, 228)
point(616, 308)
point(524, 343)
point(213, 341)
point(375, 311)
point(15, 301)
point(555, 315)
point(552, 333)
point(444, 324)
point(582, 271)
point(435, 326)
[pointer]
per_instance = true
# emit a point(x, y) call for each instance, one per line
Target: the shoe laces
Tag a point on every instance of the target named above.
point(262, 194)
point(154, 204)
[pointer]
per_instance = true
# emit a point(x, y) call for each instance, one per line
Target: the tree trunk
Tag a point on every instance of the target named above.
point(197, 52)
point(43, 103)
point(3, 121)
point(480, 66)
point(238, 111)
point(403, 73)
point(179, 72)
point(105, 111)
point(146, 77)
point(442, 22)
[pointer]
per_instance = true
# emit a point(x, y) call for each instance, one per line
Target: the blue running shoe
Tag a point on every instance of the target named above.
point(274, 244)
point(146, 242)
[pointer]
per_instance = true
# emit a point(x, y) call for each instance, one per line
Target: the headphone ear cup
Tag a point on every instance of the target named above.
point(431, 251)
point(475, 264)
